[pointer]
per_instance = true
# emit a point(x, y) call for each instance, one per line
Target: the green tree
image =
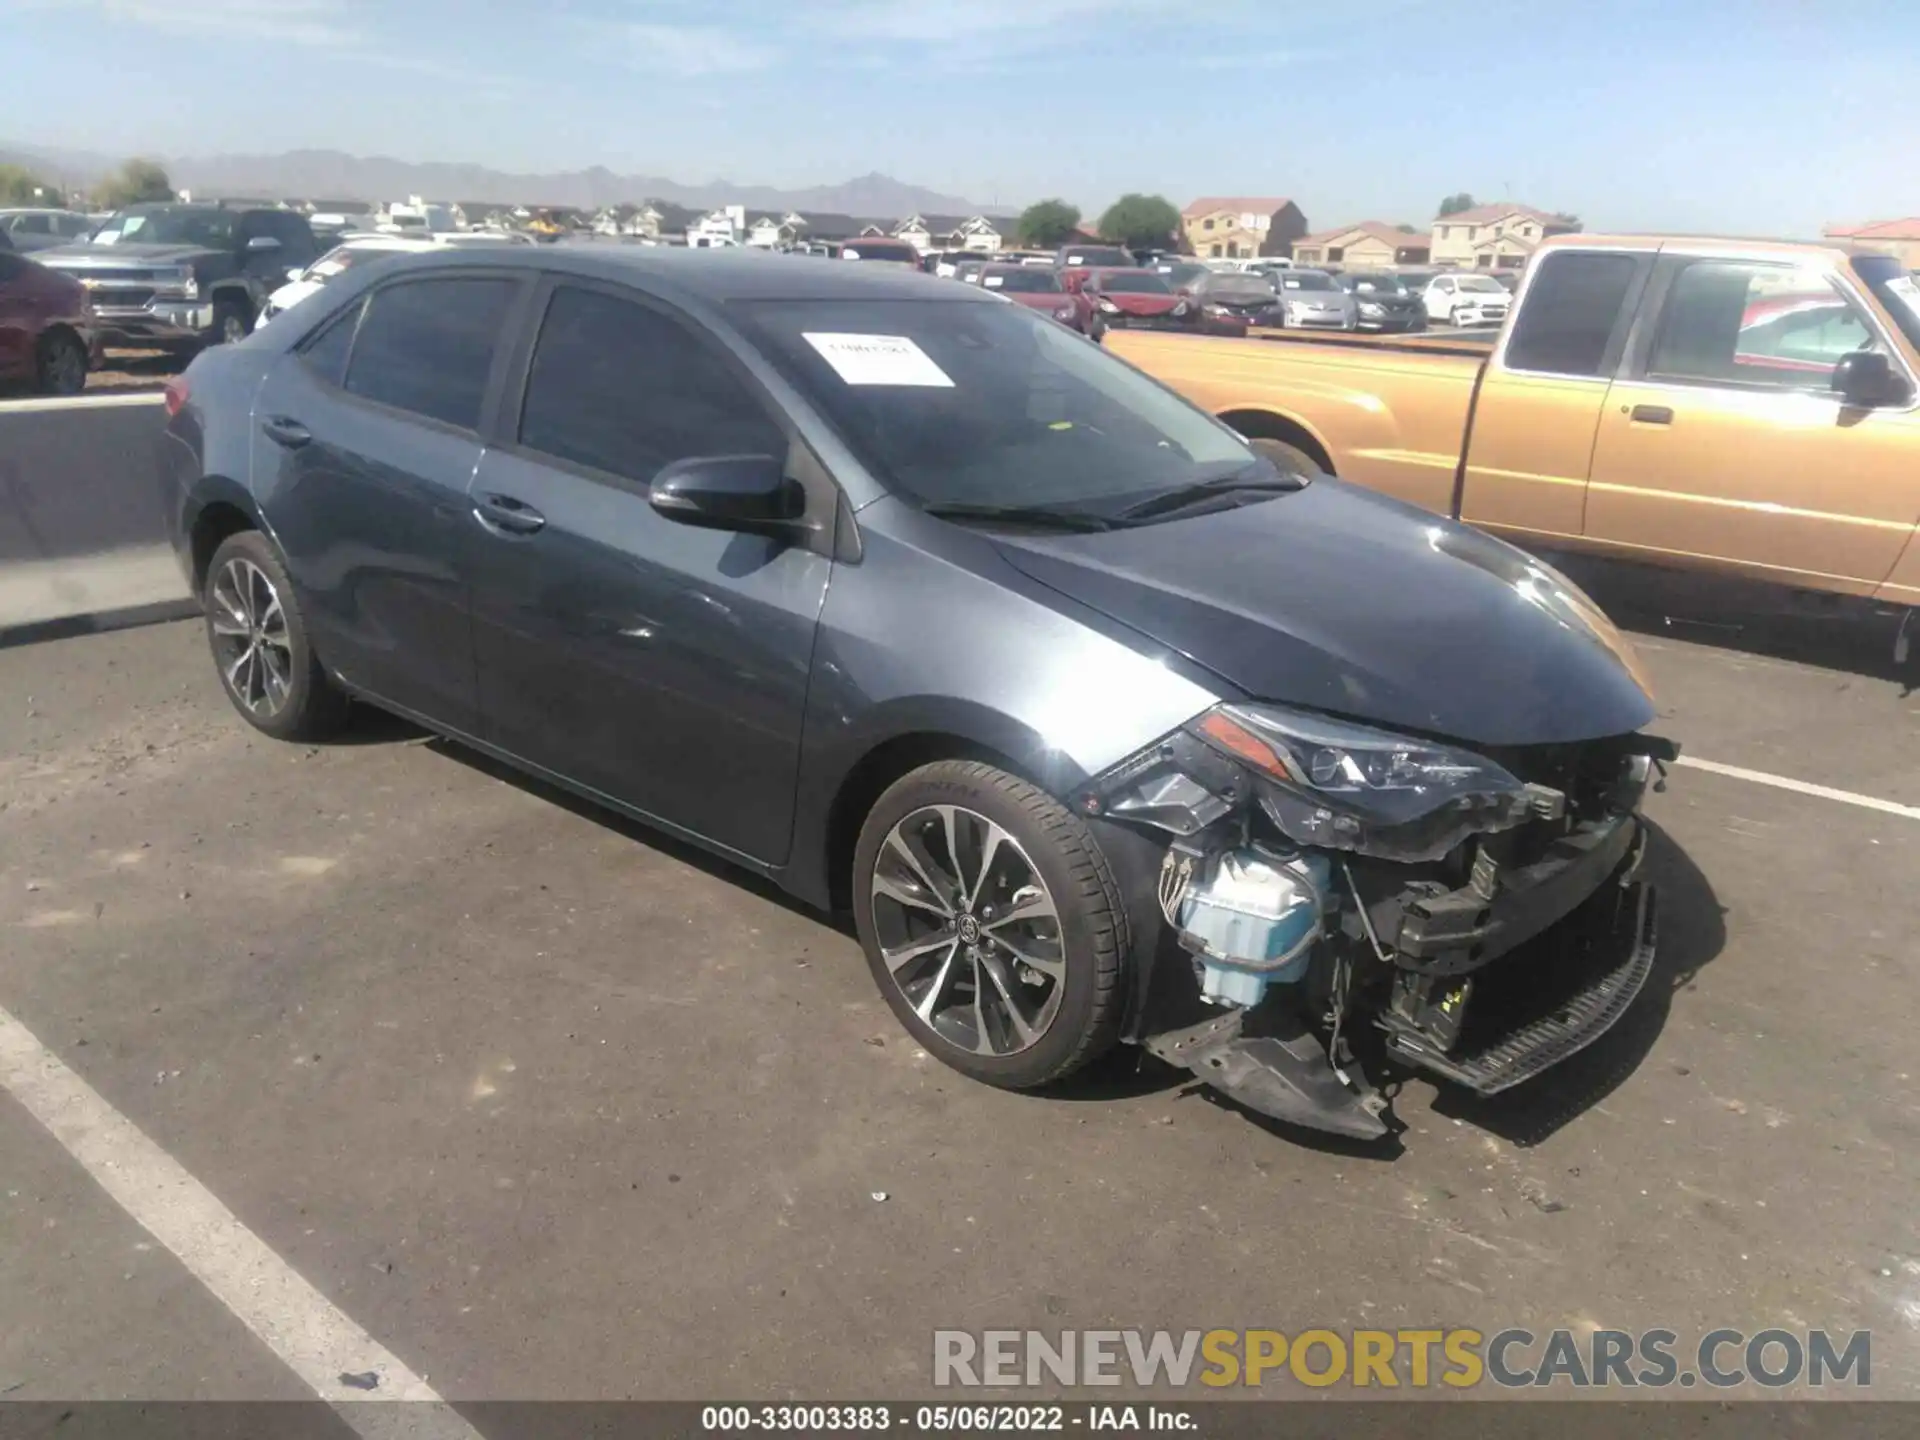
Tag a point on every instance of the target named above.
point(1047, 223)
point(23, 187)
point(1454, 204)
point(1406, 230)
point(1137, 221)
point(139, 181)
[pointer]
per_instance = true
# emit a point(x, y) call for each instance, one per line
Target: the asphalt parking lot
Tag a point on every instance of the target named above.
point(547, 1107)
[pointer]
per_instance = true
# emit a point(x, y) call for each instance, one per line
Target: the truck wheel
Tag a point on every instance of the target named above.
point(61, 365)
point(992, 923)
point(232, 320)
point(1287, 459)
point(259, 641)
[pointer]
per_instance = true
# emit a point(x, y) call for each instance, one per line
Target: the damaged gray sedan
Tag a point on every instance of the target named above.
point(1103, 726)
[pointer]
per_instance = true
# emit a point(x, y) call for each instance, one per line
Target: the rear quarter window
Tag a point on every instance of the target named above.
point(1572, 313)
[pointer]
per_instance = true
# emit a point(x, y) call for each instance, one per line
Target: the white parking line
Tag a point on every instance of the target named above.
point(295, 1321)
point(1802, 787)
point(106, 400)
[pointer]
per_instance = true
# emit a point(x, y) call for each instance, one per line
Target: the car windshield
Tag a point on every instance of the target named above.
point(1307, 280)
point(958, 403)
point(1135, 283)
point(1236, 287)
point(1376, 284)
point(1482, 284)
point(1895, 289)
point(1027, 281)
point(167, 225)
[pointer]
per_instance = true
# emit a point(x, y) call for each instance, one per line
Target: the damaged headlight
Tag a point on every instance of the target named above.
point(1320, 781)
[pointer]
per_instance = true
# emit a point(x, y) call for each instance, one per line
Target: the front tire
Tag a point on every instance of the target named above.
point(260, 646)
point(992, 924)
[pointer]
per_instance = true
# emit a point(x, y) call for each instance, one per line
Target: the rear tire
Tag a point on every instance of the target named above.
point(1019, 983)
point(60, 366)
point(260, 645)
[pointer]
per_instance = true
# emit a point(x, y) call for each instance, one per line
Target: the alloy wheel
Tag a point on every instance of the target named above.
point(968, 930)
point(250, 639)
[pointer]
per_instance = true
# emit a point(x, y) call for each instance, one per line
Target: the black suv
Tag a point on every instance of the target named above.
point(178, 277)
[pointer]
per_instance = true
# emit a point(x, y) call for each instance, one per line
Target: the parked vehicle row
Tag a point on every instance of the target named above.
point(1102, 726)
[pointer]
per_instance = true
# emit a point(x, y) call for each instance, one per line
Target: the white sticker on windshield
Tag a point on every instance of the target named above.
point(994, 282)
point(878, 360)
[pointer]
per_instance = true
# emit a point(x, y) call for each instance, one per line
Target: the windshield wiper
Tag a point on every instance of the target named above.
point(1038, 516)
point(1248, 478)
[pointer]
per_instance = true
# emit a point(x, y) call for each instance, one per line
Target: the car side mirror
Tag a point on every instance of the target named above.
point(749, 493)
point(260, 244)
point(1866, 380)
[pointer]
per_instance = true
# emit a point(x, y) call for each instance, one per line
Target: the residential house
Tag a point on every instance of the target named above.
point(949, 232)
point(634, 221)
point(1494, 237)
point(1236, 226)
point(767, 230)
point(1370, 245)
point(1899, 238)
point(719, 228)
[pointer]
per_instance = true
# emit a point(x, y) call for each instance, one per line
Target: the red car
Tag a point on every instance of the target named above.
point(1037, 290)
point(1141, 300)
point(46, 327)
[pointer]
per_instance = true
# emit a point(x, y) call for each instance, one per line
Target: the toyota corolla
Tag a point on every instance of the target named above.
point(1103, 727)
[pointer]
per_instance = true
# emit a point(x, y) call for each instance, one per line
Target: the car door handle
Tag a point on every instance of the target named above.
point(506, 515)
point(285, 430)
point(1651, 415)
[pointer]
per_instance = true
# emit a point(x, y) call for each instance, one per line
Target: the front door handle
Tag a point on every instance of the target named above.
point(1652, 415)
point(285, 430)
point(506, 515)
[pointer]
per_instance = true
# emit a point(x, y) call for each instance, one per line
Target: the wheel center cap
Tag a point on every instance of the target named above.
point(969, 930)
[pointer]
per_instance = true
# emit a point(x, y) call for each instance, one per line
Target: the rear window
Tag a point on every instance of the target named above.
point(1567, 325)
point(879, 250)
point(1095, 255)
point(426, 346)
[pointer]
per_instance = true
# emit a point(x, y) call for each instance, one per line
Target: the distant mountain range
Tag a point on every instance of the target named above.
point(334, 175)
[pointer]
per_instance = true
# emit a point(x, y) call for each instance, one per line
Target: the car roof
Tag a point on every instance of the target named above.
point(713, 275)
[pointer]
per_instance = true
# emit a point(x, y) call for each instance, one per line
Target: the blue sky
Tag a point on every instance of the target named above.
point(1745, 115)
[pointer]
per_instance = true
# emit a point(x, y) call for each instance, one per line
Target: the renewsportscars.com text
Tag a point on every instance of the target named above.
point(1390, 1359)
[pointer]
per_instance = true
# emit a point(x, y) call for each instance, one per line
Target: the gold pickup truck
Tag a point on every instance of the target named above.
point(1743, 406)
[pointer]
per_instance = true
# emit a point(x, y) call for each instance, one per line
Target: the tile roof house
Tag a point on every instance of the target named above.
point(1494, 237)
point(949, 232)
point(1232, 226)
point(1370, 245)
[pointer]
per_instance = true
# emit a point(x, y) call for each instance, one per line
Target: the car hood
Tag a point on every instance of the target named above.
point(1340, 600)
point(80, 257)
point(1331, 299)
point(1142, 304)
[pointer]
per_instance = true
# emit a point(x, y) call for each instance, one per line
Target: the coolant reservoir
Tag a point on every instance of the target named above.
point(1255, 918)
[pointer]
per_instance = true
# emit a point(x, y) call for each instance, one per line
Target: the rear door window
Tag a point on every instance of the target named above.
point(1573, 313)
point(325, 352)
point(426, 346)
